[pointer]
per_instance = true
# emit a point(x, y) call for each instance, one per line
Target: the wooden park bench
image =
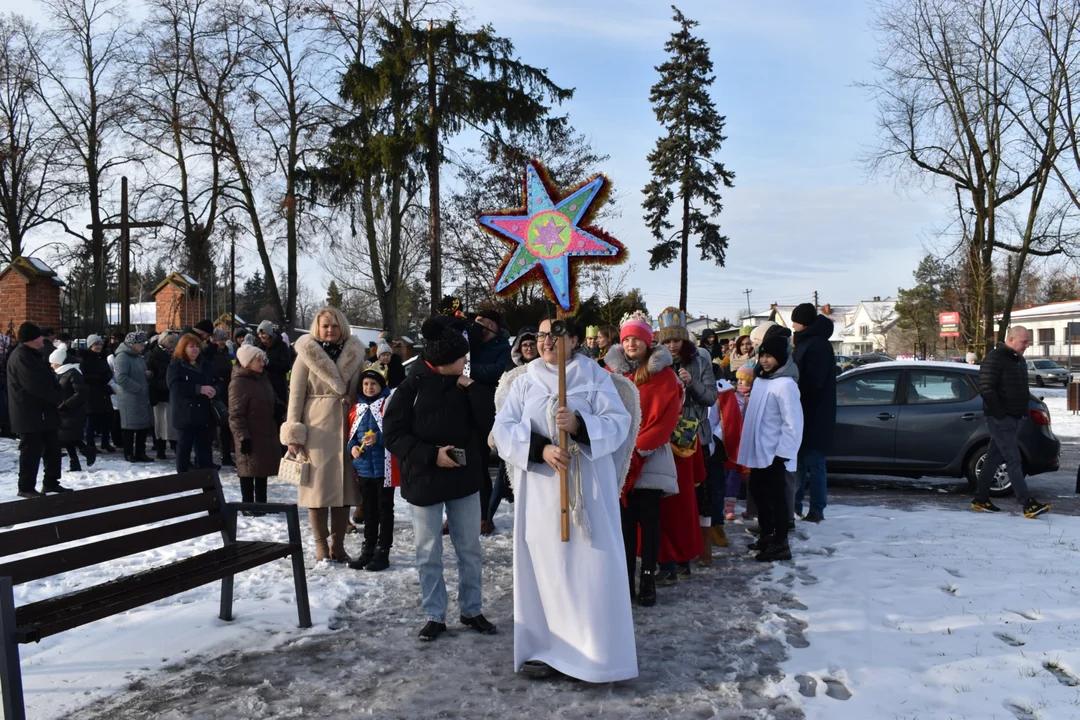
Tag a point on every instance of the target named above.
point(196, 506)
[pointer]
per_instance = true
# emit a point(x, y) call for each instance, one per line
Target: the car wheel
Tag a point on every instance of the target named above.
point(1039, 381)
point(1000, 486)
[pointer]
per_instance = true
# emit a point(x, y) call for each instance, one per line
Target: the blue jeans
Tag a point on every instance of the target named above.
point(1004, 448)
point(202, 439)
point(463, 515)
point(812, 463)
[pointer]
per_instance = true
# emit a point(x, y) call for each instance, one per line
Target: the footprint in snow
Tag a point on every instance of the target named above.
point(805, 576)
point(836, 689)
point(848, 535)
point(1026, 614)
point(954, 573)
point(1021, 711)
point(796, 630)
point(1063, 676)
point(1008, 639)
point(807, 685)
point(950, 590)
point(802, 534)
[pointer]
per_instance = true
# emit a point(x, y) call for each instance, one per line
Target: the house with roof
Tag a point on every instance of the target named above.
point(873, 328)
point(1049, 325)
point(841, 315)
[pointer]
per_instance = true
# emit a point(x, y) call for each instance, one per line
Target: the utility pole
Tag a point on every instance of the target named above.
point(232, 289)
point(816, 300)
point(749, 312)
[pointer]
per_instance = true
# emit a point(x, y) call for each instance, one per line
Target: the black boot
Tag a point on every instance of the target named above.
point(91, 454)
point(367, 552)
point(776, 550)
point(159, 448)
point(380, 561)
point(74, 466)
point(647, 589)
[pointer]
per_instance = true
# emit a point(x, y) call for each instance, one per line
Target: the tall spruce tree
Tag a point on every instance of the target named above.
point(683, 163)
point(333, 296)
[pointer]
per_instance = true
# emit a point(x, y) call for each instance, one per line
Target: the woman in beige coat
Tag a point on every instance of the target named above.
point(325, 381)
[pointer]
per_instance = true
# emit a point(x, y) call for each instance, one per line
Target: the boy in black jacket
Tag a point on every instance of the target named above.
point(432, 427)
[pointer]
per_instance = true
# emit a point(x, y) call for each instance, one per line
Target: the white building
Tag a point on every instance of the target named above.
point(1049, 324)
point(869, 330)
point(841, 315)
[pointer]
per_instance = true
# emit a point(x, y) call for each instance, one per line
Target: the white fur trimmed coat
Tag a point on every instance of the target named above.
point(321, 393)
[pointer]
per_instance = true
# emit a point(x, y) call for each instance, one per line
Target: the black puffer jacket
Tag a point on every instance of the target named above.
point(187, 406)
point(34, 392)
point(1003, 383)
point(279, 358)
point(429, 411)
point(488, 360)
point(97, 374)
point(73, 411)
point(816, 361)
point(157, 362)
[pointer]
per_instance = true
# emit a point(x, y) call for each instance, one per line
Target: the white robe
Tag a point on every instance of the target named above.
point(571, 600)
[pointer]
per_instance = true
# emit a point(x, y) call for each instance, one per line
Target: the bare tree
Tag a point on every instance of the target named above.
point(28, 142)
point(84, 94)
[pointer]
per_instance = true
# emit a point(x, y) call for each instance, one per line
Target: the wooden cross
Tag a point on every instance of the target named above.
point(124, 226)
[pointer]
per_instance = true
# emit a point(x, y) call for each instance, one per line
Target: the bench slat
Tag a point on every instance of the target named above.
point(86, 526)
point(24, 511)
point(65, 612)
point(61, 561)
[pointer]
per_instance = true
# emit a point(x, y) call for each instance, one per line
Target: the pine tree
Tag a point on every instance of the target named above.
point(253, 297)
point(683, 165)
point(333, 296)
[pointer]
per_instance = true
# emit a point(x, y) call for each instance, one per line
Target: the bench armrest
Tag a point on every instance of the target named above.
point(292, 516)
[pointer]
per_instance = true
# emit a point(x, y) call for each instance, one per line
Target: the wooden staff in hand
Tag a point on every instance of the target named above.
point(558, 330)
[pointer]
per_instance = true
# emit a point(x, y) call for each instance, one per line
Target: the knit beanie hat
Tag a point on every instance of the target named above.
point(266, 327)
point(493, 315)
point(758, 333)
point(205, 326)
point(443, 343)
point(777, 346)
point(636, 324)
point(28, 331)
point(971, 358)
point(58, 356)
point(673, 325)
point(383, 347)
point(246, 353)
point(804, 314)
point(92, 340)
point(746, 373)
point(220, 335)
point(135, 338)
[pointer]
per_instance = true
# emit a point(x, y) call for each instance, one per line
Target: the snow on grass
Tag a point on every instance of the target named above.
point(68, 670)
point(932, 614)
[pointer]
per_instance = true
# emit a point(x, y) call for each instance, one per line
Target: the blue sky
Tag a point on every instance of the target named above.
point(803, 215)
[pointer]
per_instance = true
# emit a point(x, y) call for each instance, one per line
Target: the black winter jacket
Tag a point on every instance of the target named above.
point(429, 411)
point(1003, 383)
point(280, 362)
point(816, 361)
point(223, 366)
point(187, 406)
point(157, 362)
point(73, 411)
point(488, 360)
point(96, 374)
point(34, 392)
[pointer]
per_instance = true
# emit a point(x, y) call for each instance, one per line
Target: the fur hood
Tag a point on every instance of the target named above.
point(333, 374)
point(616, 360)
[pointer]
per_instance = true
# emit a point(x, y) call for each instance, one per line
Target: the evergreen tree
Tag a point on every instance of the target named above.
point(253, 298)
point(333, 296)
point(682, 164)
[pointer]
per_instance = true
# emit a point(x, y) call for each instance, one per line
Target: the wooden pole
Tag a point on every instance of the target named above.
point(564, 442)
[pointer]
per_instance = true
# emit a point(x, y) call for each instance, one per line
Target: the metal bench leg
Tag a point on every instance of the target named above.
point(226, 598)
point(10, 671)
point(300, 581)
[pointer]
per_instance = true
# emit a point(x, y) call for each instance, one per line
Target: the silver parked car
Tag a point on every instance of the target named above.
point(1047, 372)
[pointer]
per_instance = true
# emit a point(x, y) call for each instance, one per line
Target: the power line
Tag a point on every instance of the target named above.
point(747, 292)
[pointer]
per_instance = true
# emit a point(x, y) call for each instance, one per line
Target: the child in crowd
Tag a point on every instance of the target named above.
point(772, 433)
point(374, 471)
point(733, 429)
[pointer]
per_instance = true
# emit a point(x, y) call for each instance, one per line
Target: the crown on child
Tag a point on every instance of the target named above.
point(637, 315)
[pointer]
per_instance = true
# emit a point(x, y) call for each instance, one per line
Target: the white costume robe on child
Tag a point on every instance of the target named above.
point(571, 600)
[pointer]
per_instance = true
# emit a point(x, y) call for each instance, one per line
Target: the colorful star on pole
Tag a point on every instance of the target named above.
point(548, 232)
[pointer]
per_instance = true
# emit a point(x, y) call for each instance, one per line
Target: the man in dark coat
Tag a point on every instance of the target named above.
point(47, 344)
point(816, 361)
point(35, 396)
point(218, 352)
point(488, 357)
point(279, 361)
point(1003, 384)
point(97, 374)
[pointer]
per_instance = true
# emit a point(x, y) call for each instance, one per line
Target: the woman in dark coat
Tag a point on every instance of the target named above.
point(94, 365)
point(251, 419)
point(158, 360)
point(73, 410)
point(192, 387)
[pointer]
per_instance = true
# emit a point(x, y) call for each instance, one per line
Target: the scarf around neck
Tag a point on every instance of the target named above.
point(332, 349)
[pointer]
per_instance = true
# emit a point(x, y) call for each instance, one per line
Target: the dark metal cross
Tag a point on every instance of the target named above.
point(124, 226)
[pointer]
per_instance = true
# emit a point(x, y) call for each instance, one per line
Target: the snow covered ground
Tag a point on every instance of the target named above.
point(884, 613)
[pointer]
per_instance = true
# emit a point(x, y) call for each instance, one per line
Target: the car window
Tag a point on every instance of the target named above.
point(927, 387)
point(1046, 364)
point(872, 388)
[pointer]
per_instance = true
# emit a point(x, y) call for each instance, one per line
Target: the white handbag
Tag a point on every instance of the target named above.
point(295, 469)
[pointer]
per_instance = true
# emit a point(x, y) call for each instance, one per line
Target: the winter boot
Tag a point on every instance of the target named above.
point(73, 465)
point(380, 561)
point(318, 517)
point(705, 558)
point(91, 454)
point(729, 509)
point(366, 553)
point(774, 551)
point(339, 526)
point(647, 589)
point(719, 538)
point(159, 449)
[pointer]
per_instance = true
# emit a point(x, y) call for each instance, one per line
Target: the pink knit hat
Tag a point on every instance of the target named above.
point(636, 324)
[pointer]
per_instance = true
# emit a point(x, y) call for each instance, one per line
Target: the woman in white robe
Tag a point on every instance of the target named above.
point(571, 600)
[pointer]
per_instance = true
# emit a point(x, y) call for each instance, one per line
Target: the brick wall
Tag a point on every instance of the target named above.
point(175, 308)
point(22, 300)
